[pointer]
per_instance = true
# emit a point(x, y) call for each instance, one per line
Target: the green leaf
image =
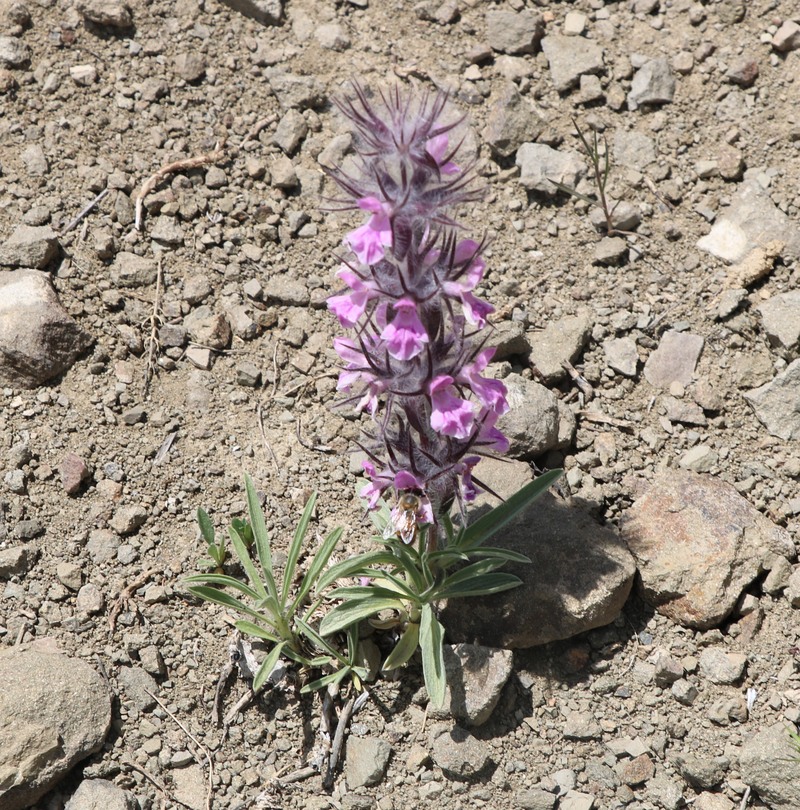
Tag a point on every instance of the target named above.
point(395, 585)
point(410, 562)
point(260, 535)
point(252, 629)
point(317, 566)
point(332, 677)
point(355, 593)
point(483, 528)
point(296, 546)
point(310, 633)
point(406, 647)
point(502, 555)
point(480, 586)
point(247, 563)
point(348, 613)
point(268, 664)
point(224, 599)
point(445, 557)
point(206, 526)
point(431, 642)
point(468, 573)
point(224, 581)
point(359, 565)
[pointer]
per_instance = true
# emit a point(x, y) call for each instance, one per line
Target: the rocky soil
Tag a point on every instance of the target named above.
point(143, 370)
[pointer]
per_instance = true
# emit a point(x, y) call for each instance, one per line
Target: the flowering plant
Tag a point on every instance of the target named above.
point(415, 363)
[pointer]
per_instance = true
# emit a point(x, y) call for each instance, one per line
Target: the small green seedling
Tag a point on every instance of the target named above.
point(277, 610)
point(217, 553)
point(601, 167)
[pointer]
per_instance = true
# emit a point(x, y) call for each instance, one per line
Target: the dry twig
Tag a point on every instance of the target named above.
point(153, 338)
point(580, 381)
point(171, 168)
point(604, 419)
point(206, 752)
point(260, 415)
point(124, 595)
point(258, 127)
point(152, 779)
point(338, 742)
point(84, 212)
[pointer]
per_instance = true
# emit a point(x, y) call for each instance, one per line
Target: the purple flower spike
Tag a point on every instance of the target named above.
point(405, 336)
point(490, 393)
point(368, 241)
point(451, 415)
point(437, 149)
point(418, 363)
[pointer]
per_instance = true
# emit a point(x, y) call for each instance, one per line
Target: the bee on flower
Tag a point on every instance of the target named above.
point(409, 514)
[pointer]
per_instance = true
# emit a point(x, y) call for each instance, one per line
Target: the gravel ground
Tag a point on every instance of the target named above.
point(241, 243)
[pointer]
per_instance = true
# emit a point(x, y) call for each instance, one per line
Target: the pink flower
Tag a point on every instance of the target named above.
point(349, 307)
point(374, 489)
point(491, 393)
point(358, 370)
point(368, 241)
point(475, 309)
point(405, 336)
point(489, 436)
point(465, 250)
point(403, 479)
point(437, 147)
point(468, 489)
point(450, 415)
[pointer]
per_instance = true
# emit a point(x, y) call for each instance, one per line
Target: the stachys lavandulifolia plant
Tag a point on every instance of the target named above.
point(414, 357)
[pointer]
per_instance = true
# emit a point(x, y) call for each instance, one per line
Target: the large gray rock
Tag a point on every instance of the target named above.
point(30, 246)
point(366, 761)
point(542, 166)
point(512, 120)
point(267, 12)
point(674, 360)
point(570, 58)
point(750, 221)
point(579, 577)
point(38, 339)
point(653, 83)
point(560, 340)
point(14, 53)
point(531, 424)
point(460, 754)
point(54, 712)
point(106, 13)
point(698, 544)
point(99, 794)
point(476, 676)
point(781, 318)
point(777, 403)
point(512, 32)
point(766, 765)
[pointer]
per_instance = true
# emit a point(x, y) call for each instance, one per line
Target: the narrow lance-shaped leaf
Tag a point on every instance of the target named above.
point(296, 546)
point(260, 535)
point(406, 647)
point(487, 525)
point(431, 642)
point(267, 666)
point(244, 559)
point(348, 613)
point(482, 585)
point(317, 566)
point(206, 526)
